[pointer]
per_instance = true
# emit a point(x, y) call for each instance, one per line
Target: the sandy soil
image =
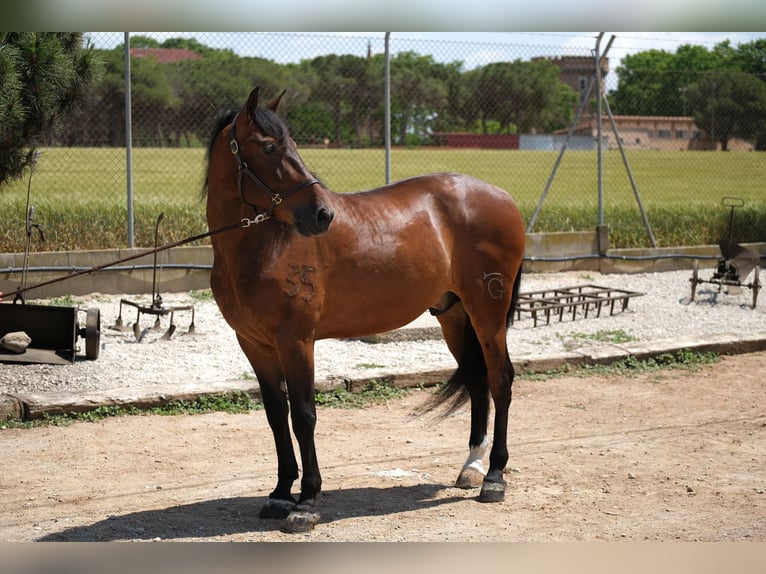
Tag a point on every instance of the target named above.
point(667, 456)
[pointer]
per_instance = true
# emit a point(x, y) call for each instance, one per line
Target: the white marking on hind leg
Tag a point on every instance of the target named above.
point(475, 456)
point(472, 473)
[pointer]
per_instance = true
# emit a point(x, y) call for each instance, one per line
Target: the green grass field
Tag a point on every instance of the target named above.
point(80, 193)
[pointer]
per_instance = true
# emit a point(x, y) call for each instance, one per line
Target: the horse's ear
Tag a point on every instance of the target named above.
point(252, 103)
point(274, 104)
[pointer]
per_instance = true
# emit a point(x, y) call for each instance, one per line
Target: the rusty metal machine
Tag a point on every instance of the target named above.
point(51, 330)
point(735, 264)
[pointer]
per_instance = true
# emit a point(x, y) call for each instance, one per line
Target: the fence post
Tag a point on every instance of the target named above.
point(599, 131)
point(128, 141)
point(387, 105)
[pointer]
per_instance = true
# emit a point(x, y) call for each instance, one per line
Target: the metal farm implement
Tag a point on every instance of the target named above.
point(54, 330)
point(560, 303)
point(157, 308)
point(736, 263)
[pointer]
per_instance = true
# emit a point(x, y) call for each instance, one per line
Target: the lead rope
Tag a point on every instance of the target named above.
point(276, 199)
point(244, 223)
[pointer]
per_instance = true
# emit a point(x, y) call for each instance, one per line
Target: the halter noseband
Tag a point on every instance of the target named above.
point(242, 168)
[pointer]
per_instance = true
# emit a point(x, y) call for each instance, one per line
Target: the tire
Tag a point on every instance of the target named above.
point(92, 334)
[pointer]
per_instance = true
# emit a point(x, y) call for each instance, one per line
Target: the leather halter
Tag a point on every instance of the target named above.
point(243, 169)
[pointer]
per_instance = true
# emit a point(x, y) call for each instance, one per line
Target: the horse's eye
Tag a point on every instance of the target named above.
point(269, 149)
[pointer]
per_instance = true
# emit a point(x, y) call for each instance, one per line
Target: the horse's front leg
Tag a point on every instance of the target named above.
point(298, 364)
point(281, 501)
point(267, 369)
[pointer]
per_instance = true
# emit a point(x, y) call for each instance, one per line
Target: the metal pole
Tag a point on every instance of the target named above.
point(595, 79)
point(128, 141)
point(584, 100)
point(387, 105)
point(630, 175)
point(597, 58)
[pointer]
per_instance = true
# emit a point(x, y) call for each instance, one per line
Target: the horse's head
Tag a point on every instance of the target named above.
point(272, 176)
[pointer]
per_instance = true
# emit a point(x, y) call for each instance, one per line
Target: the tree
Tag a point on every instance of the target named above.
point(729, 104)
point(419, 94)
point(751, 58)
point(646, 84)
point(43, 77)
point(656, 82)
point(151, 100)
point(187, 44)
point(344, 91)
point(221, 80)
point(139, 41)
point(521, 96)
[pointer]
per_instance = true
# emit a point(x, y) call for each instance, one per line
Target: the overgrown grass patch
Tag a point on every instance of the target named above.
point(631, 366)
point(80, 193)
point(368, 366)
point(376, 392)
point(82, 226)
point(88, 227)
point(201, 295)
point(684, 360)
point(234, 403)
point(672, 226)
point(576, 340)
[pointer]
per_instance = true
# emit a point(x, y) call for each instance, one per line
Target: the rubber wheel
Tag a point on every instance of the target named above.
point(92, 334)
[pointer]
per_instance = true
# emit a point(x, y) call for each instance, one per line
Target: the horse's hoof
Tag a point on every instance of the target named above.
point(470, 478)
point(276, 508)
point(300, 521)
point(492, 491)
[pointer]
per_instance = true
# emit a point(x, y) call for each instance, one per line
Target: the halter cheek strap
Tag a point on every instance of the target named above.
point(243, 169)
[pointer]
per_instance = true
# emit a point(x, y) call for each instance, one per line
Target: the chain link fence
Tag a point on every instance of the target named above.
point(520, 116)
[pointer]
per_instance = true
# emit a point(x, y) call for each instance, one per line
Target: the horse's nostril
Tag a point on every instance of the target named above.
point(324, 217)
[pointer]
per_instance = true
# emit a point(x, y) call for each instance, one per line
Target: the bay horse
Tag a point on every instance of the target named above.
point(310, 264)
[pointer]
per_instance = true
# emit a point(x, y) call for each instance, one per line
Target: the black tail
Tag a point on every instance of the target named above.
point(472, 369)
point(514, 298)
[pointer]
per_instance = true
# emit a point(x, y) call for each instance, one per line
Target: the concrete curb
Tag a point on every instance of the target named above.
point(33, 406)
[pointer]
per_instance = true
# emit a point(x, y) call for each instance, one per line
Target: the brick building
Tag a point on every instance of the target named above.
point(636, 132)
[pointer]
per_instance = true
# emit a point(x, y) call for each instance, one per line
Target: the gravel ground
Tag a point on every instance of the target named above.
point(211, 354)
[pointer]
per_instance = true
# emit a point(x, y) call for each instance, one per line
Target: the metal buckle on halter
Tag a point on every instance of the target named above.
point(276, 199)
point(234, 147)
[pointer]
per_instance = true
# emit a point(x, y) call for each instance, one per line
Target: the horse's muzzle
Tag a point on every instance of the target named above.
point(315, 223)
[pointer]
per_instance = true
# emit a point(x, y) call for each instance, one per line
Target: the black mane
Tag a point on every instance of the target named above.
point(224, 119)
point(271, 124)
point(266, 122)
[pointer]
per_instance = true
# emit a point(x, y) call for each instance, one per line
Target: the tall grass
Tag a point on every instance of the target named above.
point(80, 193)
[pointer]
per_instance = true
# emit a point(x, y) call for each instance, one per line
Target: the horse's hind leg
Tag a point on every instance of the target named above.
point(491, 336)
point(501, 380)
point(471, 375)
point(488, 310)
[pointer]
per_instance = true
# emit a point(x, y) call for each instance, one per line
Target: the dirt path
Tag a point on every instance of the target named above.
point(663, 456)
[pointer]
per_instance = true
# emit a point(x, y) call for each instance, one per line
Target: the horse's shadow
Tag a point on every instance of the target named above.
point(229, 516)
